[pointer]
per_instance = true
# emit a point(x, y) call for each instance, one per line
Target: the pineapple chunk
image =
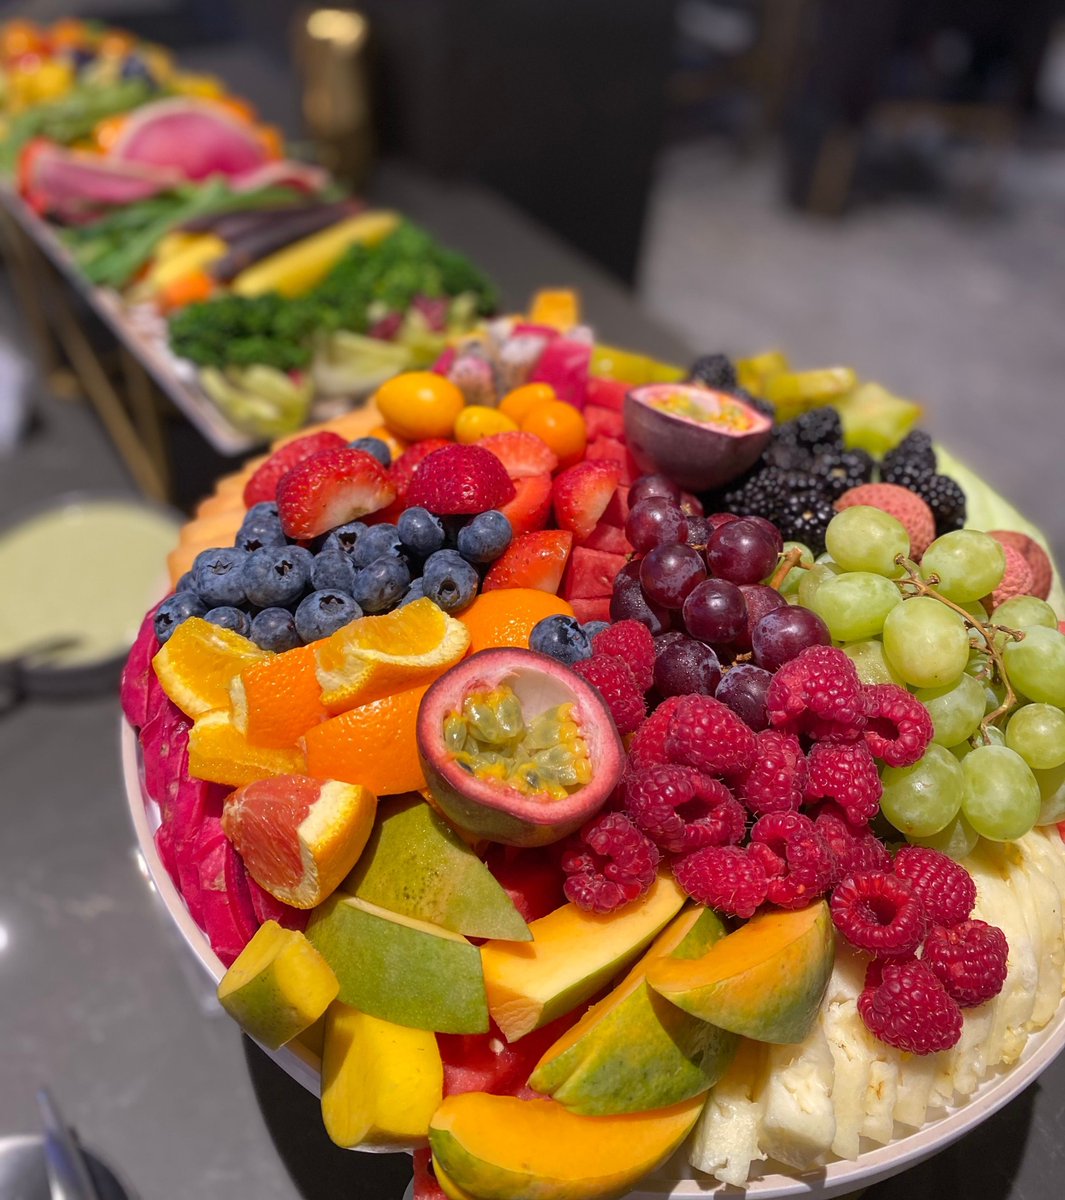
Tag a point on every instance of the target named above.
point(726, 1138)
point(799, 1123)
point(917, 1074)
point(880, 1095)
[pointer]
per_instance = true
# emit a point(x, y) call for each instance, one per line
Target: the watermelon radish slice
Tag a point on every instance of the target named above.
point(194, 136)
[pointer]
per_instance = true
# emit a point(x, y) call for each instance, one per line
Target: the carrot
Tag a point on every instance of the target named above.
point(192, 288)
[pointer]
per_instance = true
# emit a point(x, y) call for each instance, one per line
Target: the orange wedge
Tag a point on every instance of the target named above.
point(220, 753)
point(199, 662)
point(275, 702)
point(374, 745)
point(299, 837)
point(506, 617)
point(376, 656)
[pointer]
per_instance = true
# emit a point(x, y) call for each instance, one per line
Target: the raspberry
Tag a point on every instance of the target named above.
point(856, 847)
point(608, 864)
point(632, 642)
point(618, 687)
point(943, 886)
point(968, 960)
point(846, 774)
point(648, 746)
point(818, 691)
point(880, 913)
point(775, 780)
point(724, 878)
point(682, 811)
point(795, 856)
point(898, 727)
point(906, 1006)
point(708, 735)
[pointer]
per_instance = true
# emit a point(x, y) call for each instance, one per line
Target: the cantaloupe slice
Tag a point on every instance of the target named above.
point(513, 1149)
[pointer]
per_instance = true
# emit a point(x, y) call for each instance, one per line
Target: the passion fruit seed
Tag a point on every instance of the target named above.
point(729, 415)
point(489, 738)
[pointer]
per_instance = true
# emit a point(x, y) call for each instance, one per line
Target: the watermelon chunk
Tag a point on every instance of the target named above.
point(604, 422)
point(485, 1062)
point(607, 393)
point(617, 511)
point(590, 574)
point(532, 878)
point(426, 1186)
point(597, 609)
point(614, 451)
point(564, 365)
point(607, 537)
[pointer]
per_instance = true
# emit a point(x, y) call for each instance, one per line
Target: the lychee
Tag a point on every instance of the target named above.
point(905, 506)
point(1034, 554)
point(1017, 581)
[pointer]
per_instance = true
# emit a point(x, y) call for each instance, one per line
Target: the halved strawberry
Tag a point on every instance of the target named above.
point(331, 488)
point(533, 560)
point(607, 393)
point(263, 484)
point(590, 574)
point(581, 494)
point(604, 422)
point(531, 507)
point(606, 449)
point(459, 480)
point(610, 538)
point(594, 609)
point(522, 454)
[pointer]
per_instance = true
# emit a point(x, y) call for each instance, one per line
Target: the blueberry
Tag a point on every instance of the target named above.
point(184, 584)
point(324, 612)
point(374, 446)
point(174, 610)
point(333, 570)
point(591, 628)
point(277, 575)
point(420, 531)
point(449, 580)
point(345, 538)
point(228, 617)
point(377, 542)
point(416, 591)
point(275, 629)
point(561, 638)
point(218, 576)
point(379, 585)
point(261, 527)
point(134, 67)
point(485, 538)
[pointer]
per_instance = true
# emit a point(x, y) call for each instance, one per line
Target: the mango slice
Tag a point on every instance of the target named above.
point(278, 986)
point(765, 981)
point(510, 1149)
point(400, 969)
point(572, 955)
point(381, 1083)
point(634, 1051)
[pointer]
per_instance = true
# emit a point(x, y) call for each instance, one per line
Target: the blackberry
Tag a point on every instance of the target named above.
point(915, 448)
point(714, 371)
point(946, 500)
point(837, 471)
point(804, 518)
point(820, 428)
point(756, 402)
point(760, 494)
point(909, 473)
point(787, 456)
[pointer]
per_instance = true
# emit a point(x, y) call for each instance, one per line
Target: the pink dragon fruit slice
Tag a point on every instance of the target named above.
point(564, 365)
point(268, 908)
point(282, 172)
point(137, 675)
point(228, 918)
point(72, 185)
point(164, 843)
point(163, 737)
point(194, 137)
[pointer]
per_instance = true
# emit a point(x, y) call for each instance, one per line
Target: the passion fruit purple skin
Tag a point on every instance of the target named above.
point(487, 808)
point(699, 454)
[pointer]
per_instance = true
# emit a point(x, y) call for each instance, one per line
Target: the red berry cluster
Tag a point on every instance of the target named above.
point(921, 903)
point(622, 669)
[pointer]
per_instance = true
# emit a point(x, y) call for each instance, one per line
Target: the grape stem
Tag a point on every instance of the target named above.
point(788, 561)
point(926, 587)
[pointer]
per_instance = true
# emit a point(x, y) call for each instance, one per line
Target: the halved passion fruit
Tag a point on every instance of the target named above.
point(517, 748)
point(700, 438)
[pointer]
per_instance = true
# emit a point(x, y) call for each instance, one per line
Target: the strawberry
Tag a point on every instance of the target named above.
point(607, 393)
point(605, 449)
point(533, 560)
point(596, 609)
point(610, 538)
point(604, 422)
point(460, 480)
point(523, 454)
point(581, 494)
point(531, 507)
point(331, 488)
point(590, 574)
point(402, 471)
point(263, 484)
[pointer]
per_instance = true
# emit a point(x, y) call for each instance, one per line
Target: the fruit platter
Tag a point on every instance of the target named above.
point(250, 277)
point(602, 778)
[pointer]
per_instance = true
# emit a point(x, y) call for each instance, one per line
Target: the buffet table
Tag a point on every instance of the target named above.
point(101, 1002)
